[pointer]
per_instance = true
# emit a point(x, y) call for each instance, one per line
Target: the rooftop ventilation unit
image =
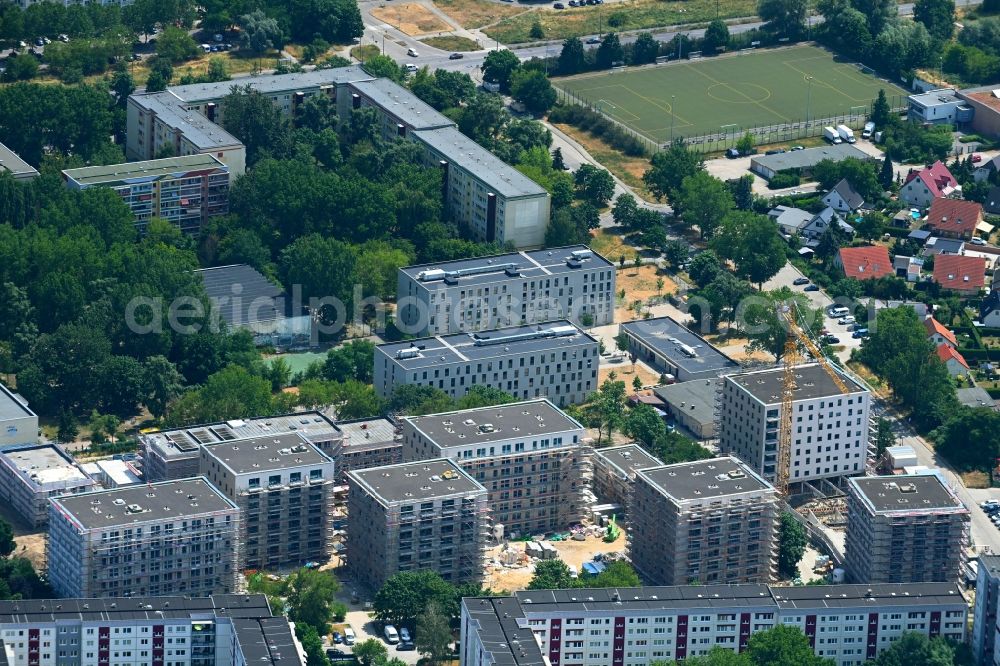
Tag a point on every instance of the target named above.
point(555, 332)
point(409, 352)
point(435, 274)
point(688, 350)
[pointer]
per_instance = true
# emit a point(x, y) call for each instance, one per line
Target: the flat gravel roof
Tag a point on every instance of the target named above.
point(416, 481)
point(905, 493)
point(704, 479)
point(518, 420)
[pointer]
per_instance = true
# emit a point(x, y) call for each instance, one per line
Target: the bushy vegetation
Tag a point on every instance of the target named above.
point(599, 126)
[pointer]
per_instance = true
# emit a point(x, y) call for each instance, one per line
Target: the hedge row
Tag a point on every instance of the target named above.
point(599, 126)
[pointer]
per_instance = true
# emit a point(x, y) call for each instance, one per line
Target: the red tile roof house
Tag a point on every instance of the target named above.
point(954, 218)
point(924, 186)
point(939, 333)
point(963, 275)
point(952, 360)
point(864, 263)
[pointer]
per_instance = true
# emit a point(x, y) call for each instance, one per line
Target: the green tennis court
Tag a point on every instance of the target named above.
point(728, 94)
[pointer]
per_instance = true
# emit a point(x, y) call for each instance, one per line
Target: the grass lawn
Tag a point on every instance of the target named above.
point(411, 18)
point(365, 52)
point(628, 169)
point(478, 13)
point(610, 245)
point(626, 15)
point(452, 43)
point(764, 88)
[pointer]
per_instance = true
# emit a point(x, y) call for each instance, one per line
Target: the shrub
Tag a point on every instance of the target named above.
point(617, 19)
point(782, 179)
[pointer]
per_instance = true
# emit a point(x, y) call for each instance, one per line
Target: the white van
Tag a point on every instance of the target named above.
point(839, 311)
point(391, 635)
point(349, 636)
point(412, 53)
point(410, 67)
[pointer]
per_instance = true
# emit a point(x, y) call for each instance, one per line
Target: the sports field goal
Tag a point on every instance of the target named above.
point(662, 59)
point(618, 68)
point(747, 50)
point(865, 69)
point(694, 55)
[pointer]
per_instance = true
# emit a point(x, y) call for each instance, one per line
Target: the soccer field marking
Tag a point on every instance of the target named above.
point(823, 83)
point(769, 110)
point(669, 108)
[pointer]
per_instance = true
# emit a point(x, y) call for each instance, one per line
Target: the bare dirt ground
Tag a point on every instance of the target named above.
point(411, 18)
point(571, 552)
point(623, 373)
point(30, 542)
point(639, 285)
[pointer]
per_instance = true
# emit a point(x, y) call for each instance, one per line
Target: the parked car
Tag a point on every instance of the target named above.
point(573, 3)
point(976, 158)
point(831, 339)
point(39, 41)
point(333, 653)
point(859, 333)
point(775, 151)
point(406, 646)
point(976, 240)
point(410, 67)
point(455, 56)
point(843, 321)
point(594, 40)
point(412, 52)
point(404, 635)
point(349, 636)
point(794, 148)
point(732, 153)
point(337, 638)
point(559, 5)
point(391, 635)
point(800, 280)
point(811, 287)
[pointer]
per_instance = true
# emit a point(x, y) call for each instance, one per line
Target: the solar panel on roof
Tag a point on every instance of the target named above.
point(224, 433)
point(182, 441)
point(203, 436)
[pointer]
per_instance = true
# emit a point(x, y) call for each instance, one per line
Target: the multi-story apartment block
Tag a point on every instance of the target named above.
point(710, 521)
point(11, 162)
point(849, 624)
point(830, 428)
point(185, 118)
point(18, 424)
point(185, 191)
point(163, 538)
point(530, 456)
point(557, 361)
point(488, 198)
point(513, 289)
point(614, 472)
point(283, 486)
point(985, 631)
point(421, 515)
point(29, 476)
point(176, 454)
point(904, 529)
point(219, 630)
point(366, 443)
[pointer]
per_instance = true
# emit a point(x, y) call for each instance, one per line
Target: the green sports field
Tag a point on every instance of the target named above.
point(728, 94)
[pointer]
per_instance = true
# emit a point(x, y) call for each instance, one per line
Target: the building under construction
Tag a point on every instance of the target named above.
point(283, 486)
point(530, 456)
point(30, 475)
point(366, 443)
point(422, 515)
point(711, 521)
point(904, 529)
point(174, 537)
point(614, 472)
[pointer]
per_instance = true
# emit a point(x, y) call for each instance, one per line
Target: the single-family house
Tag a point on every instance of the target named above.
point(989, 310)
point(935, 245)
point(938, 333)
point(907, 268)
point(986, 169)
point(924, 186)
point(865, 263)
point(954, 218)
point(952, 360)
point(964, 275)
point(808, 226)
point(790, 220)
point(992, 204)
point(843, 198)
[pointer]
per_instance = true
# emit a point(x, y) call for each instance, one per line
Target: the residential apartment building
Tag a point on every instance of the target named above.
point(162, 538)
point(830, 428)
point(557, 361)
point(30, 475)
point(18, 424)
point(939, 107)
point(904, 529)
point(283, 486)
point(615, 469)
point(184, 191)
point(670, 348)
point(186, 118)
point(176, 453)
point(530, 457)
point(218, 630)
point(489, 199)
point(710, 521)
point(849, 624)
point(11, 162)
point(366, 443)
point(421, 515)
point(513, 289)
point(985, 632)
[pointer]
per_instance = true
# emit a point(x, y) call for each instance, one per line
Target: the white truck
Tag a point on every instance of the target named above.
point(846, 133)
point(831, 135)
point(869, 129)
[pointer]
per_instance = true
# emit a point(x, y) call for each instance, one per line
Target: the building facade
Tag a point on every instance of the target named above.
point(904, 529)
point(530, 457)
point(219, 630)
point(164, 538)
point(557, 361)
point(421, 515)
point(710, 521)
point(18, 424)
point(849, 624)
point(176, 454)
point(513, 289)
point(31, 475)
point(985, 632)
point(11, 162)
point(615, 468)
point(184, 191)
point(283, 486)
point(830, 430)
point(366, 443)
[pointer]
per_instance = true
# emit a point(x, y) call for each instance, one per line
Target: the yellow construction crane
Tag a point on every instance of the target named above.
point(791, 357)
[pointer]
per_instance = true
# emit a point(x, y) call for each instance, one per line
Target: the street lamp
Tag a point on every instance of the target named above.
point(673, 98)
point(809, 86)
